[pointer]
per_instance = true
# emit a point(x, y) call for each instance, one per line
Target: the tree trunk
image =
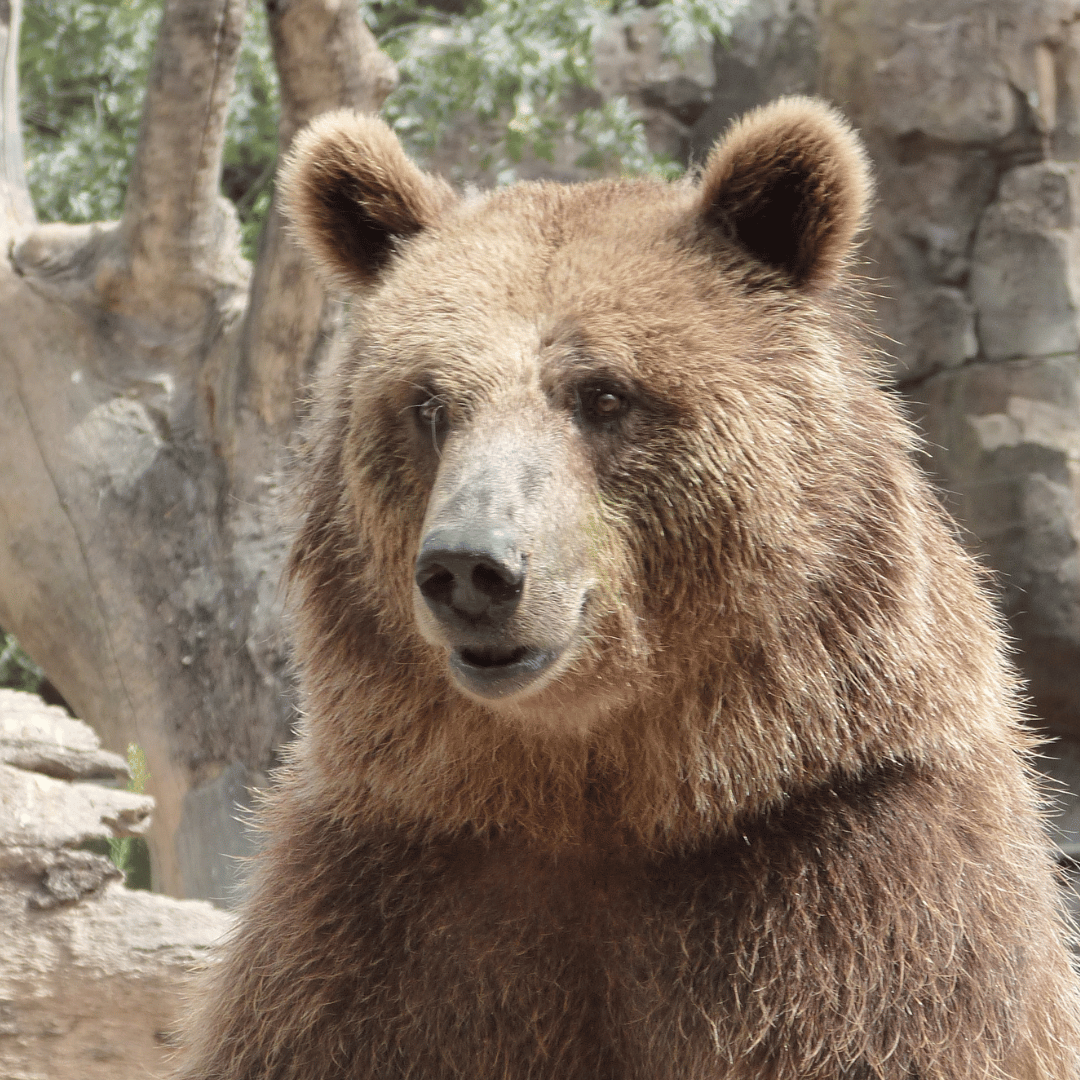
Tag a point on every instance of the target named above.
point(150, 387)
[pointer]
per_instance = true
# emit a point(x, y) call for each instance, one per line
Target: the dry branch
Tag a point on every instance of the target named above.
point(146, 406)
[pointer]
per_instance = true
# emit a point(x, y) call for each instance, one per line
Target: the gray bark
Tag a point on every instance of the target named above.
point(149, 392)
point(16, 210)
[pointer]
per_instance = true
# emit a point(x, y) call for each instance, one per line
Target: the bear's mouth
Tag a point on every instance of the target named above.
point(498, 671)
point(492, 658)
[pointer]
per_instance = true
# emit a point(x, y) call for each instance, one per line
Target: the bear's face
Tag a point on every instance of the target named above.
point(579, 426)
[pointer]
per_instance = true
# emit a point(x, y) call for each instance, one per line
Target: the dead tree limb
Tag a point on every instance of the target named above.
point(151, 382)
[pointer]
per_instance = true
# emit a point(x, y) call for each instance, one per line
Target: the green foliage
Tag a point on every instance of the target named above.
point(514, 64)
point(83, 67)
point(687, 23)
point(511, 64)
point(129, 853)
point(17, 670)
point(250, 156)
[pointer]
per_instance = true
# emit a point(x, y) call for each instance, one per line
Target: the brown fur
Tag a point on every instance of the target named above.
point(769, 815)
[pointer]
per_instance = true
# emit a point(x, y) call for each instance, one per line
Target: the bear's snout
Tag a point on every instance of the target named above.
point(499, 580)
point(471, 578)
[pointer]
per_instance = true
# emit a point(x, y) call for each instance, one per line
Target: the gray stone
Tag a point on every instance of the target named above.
point(1025, 277)
point(945, 82)
point(1064, 91)
point(773, 49)
point(682, 97)
point(220, 810)
point(931, 200)
point(37, 810)
point(44, 738)
point(92, 975)
point(929, 330)
point(1060, 763)
point(93, 990)
point(73, 876)
point(924, 224)
point(1004, 441)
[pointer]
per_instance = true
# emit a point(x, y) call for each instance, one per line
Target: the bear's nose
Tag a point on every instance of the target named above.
point(468, 575)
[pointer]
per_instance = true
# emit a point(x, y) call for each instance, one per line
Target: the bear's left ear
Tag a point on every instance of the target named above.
point(353, 194)
point(790, 183)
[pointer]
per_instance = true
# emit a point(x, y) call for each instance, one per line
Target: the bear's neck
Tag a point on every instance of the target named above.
point(659, 780)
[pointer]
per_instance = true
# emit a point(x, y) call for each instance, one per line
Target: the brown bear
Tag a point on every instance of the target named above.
point(656, 726)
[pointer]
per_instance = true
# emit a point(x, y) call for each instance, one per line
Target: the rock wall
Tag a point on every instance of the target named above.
point(972, 114)
point(91, 973)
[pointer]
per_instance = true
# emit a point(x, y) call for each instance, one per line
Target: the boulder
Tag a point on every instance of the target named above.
point(92, 974)
point(1005, 447)
point(1025, 277)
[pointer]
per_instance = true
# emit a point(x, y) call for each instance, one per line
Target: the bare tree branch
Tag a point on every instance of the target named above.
point(16, 209)
point(145, 416)
point(174, 219)
point(326, 59)
point(123, 540)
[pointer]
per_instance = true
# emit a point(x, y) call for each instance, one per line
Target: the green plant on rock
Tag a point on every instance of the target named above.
point(129, 853)
point(17, 670)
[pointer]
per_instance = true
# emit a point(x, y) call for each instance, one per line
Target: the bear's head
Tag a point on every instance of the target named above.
point(603, 501)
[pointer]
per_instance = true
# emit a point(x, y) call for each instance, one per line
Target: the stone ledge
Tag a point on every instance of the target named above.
point(92, 974)
point(44, 739)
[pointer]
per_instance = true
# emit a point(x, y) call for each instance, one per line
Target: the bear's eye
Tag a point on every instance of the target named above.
point(601, 404)
point(430, 412)
point(432, 417)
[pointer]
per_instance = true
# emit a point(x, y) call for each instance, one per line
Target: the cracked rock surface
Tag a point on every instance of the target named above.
point(91, 974)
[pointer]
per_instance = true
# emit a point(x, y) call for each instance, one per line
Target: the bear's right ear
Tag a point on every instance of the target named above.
point(351, 193)
point(789, 184)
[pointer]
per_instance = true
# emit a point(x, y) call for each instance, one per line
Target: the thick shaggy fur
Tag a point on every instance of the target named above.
point(770, 814)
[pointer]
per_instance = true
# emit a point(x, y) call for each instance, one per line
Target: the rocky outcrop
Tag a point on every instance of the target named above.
point(972, 115)
point(91, 973)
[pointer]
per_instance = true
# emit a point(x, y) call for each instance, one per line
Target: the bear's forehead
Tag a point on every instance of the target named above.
point(545, 273)
point(530, 245)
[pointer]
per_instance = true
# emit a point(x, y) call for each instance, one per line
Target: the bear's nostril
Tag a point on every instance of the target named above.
point(436, 583)
point(499, 583)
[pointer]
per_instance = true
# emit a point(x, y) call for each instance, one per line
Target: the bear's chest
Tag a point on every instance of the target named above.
point(573, 966)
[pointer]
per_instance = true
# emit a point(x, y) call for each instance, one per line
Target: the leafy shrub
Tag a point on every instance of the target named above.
point(17, 670)
point(515, 64)
point(130, 853)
